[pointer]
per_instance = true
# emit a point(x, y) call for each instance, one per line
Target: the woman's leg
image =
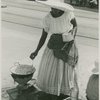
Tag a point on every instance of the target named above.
point(74, 94)
point(75, 91)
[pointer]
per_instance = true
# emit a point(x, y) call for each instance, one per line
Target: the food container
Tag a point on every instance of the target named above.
point(22, 73)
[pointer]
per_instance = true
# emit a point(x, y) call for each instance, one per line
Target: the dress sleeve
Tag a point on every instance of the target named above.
point(71, 16)
point(46, 24)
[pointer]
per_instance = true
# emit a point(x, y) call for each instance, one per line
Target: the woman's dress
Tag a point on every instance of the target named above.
point(55, 76)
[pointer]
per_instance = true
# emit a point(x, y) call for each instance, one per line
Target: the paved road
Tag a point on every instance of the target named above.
point(87, 20)
point(88, 27)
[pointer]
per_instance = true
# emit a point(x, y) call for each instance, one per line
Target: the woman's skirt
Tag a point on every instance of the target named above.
point(55, 76)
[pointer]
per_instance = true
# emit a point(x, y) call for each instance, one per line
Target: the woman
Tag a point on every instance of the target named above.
point(56, 76)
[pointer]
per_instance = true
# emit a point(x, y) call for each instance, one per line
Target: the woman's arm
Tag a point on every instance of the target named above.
point(41, 42)
point(74, 31)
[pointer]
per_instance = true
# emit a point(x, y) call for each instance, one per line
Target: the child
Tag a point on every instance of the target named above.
point(92, 90)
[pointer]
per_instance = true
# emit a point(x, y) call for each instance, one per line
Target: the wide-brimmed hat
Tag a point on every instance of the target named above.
point(96, 69)
point(22, 69)
point(56, 4)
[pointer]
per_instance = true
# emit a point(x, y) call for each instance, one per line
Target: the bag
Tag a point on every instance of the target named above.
point(55, 42)
point(61, 49)
point(67, 37)
point(69, 55)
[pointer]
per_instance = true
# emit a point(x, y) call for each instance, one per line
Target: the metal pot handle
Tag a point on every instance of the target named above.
point(16, 64)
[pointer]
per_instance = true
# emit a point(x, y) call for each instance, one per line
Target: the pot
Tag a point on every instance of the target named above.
point(22, 73)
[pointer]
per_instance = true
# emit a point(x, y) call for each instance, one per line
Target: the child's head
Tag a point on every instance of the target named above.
point(96, 69)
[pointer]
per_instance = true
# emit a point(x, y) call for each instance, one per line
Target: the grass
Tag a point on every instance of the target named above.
point(87, 8)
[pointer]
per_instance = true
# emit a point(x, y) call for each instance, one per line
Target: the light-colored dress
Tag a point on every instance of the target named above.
point(55, 76)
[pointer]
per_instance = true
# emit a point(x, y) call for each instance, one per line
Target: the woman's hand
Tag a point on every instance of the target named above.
point(71, 31)
point(33, 55)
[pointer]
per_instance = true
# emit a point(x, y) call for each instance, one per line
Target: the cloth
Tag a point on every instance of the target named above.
point(55, 76)
point(68, 55)
point(56, 42)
